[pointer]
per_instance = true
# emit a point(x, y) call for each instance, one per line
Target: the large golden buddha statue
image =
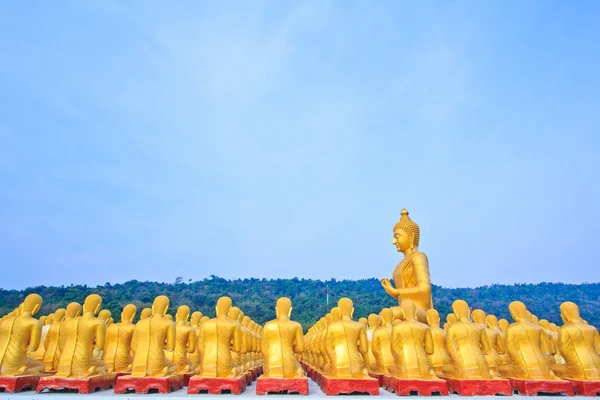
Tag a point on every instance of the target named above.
point(346, 344)
point(81, 338)
point(117, 350)
point(411, 276)
point(185, 341)
point(579, 344)
point(152, 336)
point(218, 338)
point(19, 334)
point(281, 340)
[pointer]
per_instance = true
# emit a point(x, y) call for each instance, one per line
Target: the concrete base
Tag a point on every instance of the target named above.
point(15, 384)
point(337, 386)
point(163, 385)
point(423, 387)
point(379, 377)
point(586, 388)
point(217, 385)
point(534, 387)
point(81, 385)
point(479, 387)
point(282, 386)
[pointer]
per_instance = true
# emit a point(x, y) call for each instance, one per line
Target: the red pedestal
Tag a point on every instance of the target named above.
point(122, 374)
point(336, 386)
point(217, 385)
point(423, 387)
point(533, 387)
point(586, 388)
point(186, 378)
point(15, 384)
point(379, 377)
point(163, 385)
point(81, 385)
point(479, 387)
point(280, 385)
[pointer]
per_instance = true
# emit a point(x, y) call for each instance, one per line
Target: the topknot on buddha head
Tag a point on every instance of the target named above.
point(408, 226)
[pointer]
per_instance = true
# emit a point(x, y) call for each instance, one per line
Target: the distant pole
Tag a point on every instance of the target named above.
point(327, 292)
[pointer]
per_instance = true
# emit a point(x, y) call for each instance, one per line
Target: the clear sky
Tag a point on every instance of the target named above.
point(151, 140)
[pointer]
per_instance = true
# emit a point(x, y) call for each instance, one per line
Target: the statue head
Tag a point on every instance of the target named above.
point(146, 313)
point(387, 316)
point(73, 310)
point(544, 323)
point(105, 315)
point(406, 233)
point(346, 307)
point(283, 307)
point(529, 316)
point(169, 317)
point(50, 319)
point(204, 319)
point(92, 304)
point(223, 306)
point(518, 311)
point(364, 322)
point(478, 316)
point(553, 327)
point(128, 313)
point(503, 324)
point(32, 304)
point(183, 313)
point(234, 313)
point(335, 313)
point(433, 317)
point(491, 321)
point(374, 321)
point(535, 319)
point(160, 305)
point(59, 315)
point(240, 317)
point(246, 321)
point(461, 309)
point(398, 316)
point(569, 312)
point(43, 320)
point(451, 318)
point(409, 310)
point(196, 317)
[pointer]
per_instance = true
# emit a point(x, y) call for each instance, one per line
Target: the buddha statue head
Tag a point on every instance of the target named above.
point(451, 318)
point(503, 324)
point(545, 324)
point(247, 322)
point(518, 311)
point(406, 233)
point(160, 305)
point(336, 314)
point(398, 316)
point(409, 310)
point(283, 307)
point(92, 304)
point(50, 319)
point(569, 312)
point(240, 317)
point(374, 321)
point(529, 316)
point(105, 315)
point(553, 327)
point(223, 306)
point(169, 317)
point(535, 319)
point(433, 317)
point(32, 304)
point(461, 310)
point(364, 322)
point(234, 313)
point(59, 315)
point(387, 316)
point(478, 316)
point(204, 319)
point(346, 307)
point(183, 313)
point(43, 320)
point(491, 321)
point(146, 313)
point(196, 317)
point(128, 313)
point(73, 310)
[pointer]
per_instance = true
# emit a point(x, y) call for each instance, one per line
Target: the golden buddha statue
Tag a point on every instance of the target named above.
point(81, 339)
point(281, 340)
point(364, 321)
point(51, 343)
point(117, 350)
point(374, 321)
point(440, 360)
point(412, 344)
point(152, 336)
point(450, 319)
point(467, 345)
point(411, 275)
point(579, 344)
point(195, 323)
point(38, 354)
point(491, 322)
point(146, 313)
point(185, 341)
point(218, 338)
point(105, 316)
point(383, 358)
point(233, 315)
point(552, 331)
point(526, 344)
point(346, 344)
point(492, 358)
point(251, 347)
point(21, 333)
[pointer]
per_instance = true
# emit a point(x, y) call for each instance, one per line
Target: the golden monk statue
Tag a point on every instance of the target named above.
point(579, 344)
point(151, 337)
point(105, 316)
point(38, 354)
point(50, 355)
point(185, 341)
point(383, 358)
point(195, 324)
point(412, 344)
point(440, 360)
point(374, 322)
point(411, 275)
point(492, 358)
point(146, 313)
point(19, 334)
point(82, 338)
point(281, 341)
point(467, 344)
point(218, 338)
point(527, 346)
point(117, 350)
point(346, 344)
point(497, 339)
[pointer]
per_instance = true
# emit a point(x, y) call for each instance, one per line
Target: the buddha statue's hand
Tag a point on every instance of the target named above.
point(389, 289)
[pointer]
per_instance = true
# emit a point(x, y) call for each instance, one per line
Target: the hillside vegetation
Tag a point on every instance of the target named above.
point(256, 297)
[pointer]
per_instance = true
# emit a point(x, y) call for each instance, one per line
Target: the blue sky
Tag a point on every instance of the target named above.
point(150, 140)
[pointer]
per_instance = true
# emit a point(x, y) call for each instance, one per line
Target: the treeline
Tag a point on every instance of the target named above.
point(257, 297)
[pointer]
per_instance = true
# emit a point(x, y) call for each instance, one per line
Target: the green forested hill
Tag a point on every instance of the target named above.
point(256, 297)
